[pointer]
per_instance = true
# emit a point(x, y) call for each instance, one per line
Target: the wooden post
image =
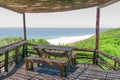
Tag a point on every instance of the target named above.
point(6, 61)
point(23, 51)
point(95, 60)
point(24, 25)
point(25, 35)
point(16, 55)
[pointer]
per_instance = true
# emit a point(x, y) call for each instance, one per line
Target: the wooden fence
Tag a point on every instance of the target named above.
point(20, 49)
point(105, 60)
point(6, 57)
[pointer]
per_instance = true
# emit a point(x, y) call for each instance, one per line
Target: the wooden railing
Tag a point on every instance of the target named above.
point(5, 50)
point(102, 58)
point(85, 49)
point(84, 55)
point(114, 64)
point(6, 57)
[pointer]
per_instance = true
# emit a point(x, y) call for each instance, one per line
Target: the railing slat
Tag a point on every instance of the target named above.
point(84, 49)
point(109, 56)
point(106, 63)
point(13, 46)
point(6, 60)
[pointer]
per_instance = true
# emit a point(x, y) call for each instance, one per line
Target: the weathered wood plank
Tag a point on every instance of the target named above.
point(79, 72)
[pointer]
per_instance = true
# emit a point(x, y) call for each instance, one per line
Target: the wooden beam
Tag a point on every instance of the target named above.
point(85, 49)
point(24, 26)
point(108, 3)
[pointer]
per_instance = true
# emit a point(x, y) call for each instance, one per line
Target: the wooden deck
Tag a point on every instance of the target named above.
point(45, 72)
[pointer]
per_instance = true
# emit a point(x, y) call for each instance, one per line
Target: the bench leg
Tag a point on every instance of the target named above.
point(27, 64)
point(38, 64)
point(65, 69)
point(31, 65)
point(62, 70)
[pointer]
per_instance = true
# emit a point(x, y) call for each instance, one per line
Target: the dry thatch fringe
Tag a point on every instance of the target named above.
point(48, 5)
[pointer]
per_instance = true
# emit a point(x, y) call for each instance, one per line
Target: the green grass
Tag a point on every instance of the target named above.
point(8, 40)
point(109, 42)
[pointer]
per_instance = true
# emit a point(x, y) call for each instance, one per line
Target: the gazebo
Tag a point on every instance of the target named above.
point(46, 6)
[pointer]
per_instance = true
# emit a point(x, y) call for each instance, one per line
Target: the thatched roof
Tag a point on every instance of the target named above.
point(22, 6)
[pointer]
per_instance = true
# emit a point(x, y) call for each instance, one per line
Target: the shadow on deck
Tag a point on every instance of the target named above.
point(45, 72)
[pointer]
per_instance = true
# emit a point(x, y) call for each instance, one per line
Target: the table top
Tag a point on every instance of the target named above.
point(53, 47)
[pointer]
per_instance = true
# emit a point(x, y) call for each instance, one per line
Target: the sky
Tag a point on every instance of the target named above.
point(81, 18)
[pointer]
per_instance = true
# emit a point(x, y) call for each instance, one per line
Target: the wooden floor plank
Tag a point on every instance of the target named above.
point(79, 72)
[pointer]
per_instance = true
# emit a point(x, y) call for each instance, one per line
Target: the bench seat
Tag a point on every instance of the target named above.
point(61, 63)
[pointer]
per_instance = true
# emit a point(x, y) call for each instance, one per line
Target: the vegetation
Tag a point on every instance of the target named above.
point(8, 40)
point(38, 41)
point(109, 43)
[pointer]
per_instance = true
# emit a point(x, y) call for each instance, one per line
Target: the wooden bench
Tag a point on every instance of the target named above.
point(61, 63)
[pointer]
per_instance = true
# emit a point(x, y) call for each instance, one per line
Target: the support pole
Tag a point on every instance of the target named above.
point(24, 25)
point(97, 28)
point(25, 36)
point(95, 61)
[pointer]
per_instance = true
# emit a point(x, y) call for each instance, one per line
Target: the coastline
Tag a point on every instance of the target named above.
point(68, 39)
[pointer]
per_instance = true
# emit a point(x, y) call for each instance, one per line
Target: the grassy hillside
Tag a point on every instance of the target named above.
point(109, 42)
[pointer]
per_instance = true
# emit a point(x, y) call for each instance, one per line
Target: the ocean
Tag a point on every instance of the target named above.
point(47, 33)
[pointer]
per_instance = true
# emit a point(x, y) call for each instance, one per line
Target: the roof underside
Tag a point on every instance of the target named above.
point(36, 6)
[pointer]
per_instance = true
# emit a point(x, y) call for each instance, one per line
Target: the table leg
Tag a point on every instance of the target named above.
point(70, 60)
